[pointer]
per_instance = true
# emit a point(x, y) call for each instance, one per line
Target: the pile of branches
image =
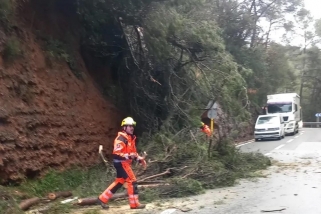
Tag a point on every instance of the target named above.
point(184, 156)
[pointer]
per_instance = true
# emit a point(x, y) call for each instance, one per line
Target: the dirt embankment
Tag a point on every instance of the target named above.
point(48, 117)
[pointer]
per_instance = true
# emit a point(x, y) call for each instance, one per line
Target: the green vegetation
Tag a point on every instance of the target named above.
point(8, 204)
point(61, 51)
point(58, 208)
point(6, 11)
point(12, 49)
point(82, 182)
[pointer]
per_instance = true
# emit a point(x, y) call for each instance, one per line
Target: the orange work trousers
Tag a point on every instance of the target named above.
point(124, 174)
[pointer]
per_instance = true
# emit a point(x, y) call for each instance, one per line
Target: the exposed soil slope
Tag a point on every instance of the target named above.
point(48, 117)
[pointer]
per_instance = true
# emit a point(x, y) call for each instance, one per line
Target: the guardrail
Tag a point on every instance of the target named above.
point(312, 124)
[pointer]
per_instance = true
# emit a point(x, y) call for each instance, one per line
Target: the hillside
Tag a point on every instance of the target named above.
point(48, 116)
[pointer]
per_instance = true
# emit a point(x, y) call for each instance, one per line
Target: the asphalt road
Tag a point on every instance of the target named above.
point(289, 143)
point(291, 186)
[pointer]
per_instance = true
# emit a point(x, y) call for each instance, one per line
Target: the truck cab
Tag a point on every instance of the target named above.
point(288, 106)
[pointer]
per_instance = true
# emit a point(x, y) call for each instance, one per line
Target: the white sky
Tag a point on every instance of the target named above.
point(314, 6)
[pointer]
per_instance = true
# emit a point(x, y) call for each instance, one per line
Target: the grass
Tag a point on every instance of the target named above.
point(81, 182)
point(58, 208)
point(8, 204)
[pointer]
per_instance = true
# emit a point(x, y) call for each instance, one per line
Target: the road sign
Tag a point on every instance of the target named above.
point(212, 113)
point(215, 106)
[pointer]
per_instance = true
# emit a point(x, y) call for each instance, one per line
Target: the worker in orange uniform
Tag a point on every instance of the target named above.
point(123, 155)
point(204, 128)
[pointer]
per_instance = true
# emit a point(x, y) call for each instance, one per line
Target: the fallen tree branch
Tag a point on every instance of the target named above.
point(157, 175)
point(100, 151)
point(190, 173)
point(167, 171)
point(150, 182)
point(152, 185)
point(168, 151)
point(194, 138)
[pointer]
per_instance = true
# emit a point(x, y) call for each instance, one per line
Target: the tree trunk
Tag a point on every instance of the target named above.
point(55, 195)
point(26, 204)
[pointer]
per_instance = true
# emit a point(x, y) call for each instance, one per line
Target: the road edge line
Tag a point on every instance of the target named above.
point(244, 143)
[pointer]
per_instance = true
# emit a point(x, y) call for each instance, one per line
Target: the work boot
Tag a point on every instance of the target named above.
point(140, 206)
point(102, 204)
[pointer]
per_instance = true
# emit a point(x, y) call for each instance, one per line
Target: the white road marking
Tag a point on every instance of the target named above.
point(168, 211)
point(296, 136)
point(267, 154)
point(279, 147)
point(245, 143)
point(290, 140)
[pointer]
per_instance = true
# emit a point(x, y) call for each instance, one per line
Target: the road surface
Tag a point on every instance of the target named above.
point(292, 185)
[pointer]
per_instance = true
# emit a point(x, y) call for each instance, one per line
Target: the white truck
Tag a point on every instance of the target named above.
point(288, 106)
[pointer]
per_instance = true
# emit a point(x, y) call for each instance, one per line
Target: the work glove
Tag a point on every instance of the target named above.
point(142, 161)
point(133, 156)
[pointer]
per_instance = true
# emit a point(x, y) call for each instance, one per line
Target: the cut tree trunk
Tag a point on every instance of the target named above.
point(55, 195)
point(94, 201)
point(26, 204)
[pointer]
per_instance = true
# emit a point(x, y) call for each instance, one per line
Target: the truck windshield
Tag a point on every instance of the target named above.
point(268, 120)
point(279, 108)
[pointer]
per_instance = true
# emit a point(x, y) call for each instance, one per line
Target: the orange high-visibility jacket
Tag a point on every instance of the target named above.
point(124, 146)
point(206, 130)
